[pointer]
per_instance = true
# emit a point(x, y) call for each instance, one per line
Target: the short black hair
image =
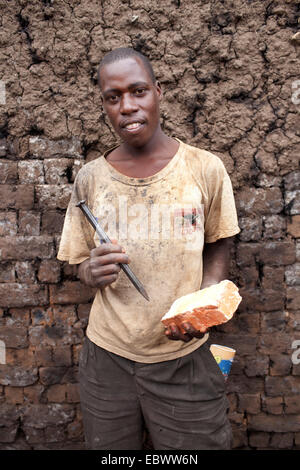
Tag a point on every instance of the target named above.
point(125, 53)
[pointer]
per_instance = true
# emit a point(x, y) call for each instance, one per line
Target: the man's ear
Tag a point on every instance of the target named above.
point(101, 101)
point(159, 90)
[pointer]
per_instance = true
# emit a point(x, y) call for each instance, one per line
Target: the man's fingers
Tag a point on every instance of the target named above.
point(107, 269)
point(107, 248)
point(192, 331)
point(173, 333)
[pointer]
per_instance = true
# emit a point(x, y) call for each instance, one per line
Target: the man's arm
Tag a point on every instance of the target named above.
point(216, 258)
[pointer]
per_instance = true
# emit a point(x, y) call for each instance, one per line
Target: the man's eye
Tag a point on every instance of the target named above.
point(139, 91)
point(112, 98)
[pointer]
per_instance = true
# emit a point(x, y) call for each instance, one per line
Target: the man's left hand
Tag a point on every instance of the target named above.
point(174, 333)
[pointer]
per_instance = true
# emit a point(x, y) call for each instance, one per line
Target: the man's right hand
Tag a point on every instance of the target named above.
point(102, 267)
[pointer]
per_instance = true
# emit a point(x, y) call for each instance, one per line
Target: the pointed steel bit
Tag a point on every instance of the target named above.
point(105, 239)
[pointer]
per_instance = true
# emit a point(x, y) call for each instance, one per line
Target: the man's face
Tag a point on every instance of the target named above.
point(131, 100)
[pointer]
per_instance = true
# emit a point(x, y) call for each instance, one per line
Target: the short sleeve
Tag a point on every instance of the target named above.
point(77, 234)
point(221, 217)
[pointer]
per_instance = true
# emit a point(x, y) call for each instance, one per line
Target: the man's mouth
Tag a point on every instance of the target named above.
point(133, 126)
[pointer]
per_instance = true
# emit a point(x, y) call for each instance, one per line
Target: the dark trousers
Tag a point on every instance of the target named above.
point(181, 402)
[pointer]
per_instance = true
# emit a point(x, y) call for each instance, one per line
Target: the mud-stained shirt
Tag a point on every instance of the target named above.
point(162, 221)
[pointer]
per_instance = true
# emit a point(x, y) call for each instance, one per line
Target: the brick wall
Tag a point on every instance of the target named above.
point(229, 71)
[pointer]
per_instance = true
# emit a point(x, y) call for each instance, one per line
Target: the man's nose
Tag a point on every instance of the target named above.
point(127, 104)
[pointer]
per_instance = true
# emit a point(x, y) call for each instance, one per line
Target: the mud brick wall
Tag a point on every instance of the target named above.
point(230, 74)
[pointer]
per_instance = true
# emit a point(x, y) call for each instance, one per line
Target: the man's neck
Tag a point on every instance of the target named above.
point(145, 161)
point(159, 146)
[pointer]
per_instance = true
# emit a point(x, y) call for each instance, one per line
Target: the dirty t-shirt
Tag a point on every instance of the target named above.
point(162, 221)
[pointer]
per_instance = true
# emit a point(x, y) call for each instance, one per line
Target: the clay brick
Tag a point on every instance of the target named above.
point(292, 202)
point(52, 222)
point(259, 201)
point(31, 172)
point(16, 197)
point(25, 248)
point(297, 439)
point(41, 316)
point(46, 148)
point(277, 253)
point(293, 297)
point(292, 275)
point(53, 196)
point(69, 270)
point(259, 440)
point(57, 393)
point(271, 253)
point(273, 405)
point(29, 223)
point(83, 312)
point(7, 272)
point(33, 435)
point(274, 226)
point(292, 181)
point(8, 224)
point(248, 277)
point(33, 393)
point(249, 403)
point(249, 323)
point(19, 316)
point(282, 440)
point(269, 423)
point(71, 292)
point(274, 343)
point(261, 300)
point(18, 376)
point(244, 344)
point(75, 430)
point(42, 355)
point(9, 415)
point(14, 336)
point(72, 390)
point(62, 356)
point(20, 295)
point(272, 322)
point(292, 404)
point(55, 433)
point(3, 147)
point(273, 277)
point(280, 364)
point(14, 395)
point(242, 384)
point(49, 271)
point(52, 375)
point(8, 172)
point(297, 250)
point(8, 433)
point(257, 366)
point(251, 229)
point(25, 272)
point(58, 171)
point(286, 386)
point(293, 226)
point(64, 314)
point(41, 415)
point(54, 335)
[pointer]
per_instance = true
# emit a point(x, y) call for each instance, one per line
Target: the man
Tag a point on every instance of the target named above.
point(170, 211)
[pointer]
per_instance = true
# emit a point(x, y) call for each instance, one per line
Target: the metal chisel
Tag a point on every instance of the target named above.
point(105, 239)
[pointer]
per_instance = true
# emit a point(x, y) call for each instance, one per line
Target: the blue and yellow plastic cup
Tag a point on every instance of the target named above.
point(224, 357)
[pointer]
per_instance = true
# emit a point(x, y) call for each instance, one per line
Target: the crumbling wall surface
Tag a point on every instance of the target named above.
point(230, 74)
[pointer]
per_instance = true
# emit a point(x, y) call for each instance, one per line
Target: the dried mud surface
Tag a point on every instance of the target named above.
point(230, 75)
